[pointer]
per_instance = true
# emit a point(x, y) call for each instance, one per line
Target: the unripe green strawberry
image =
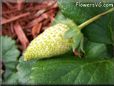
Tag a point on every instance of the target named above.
point(50, 43)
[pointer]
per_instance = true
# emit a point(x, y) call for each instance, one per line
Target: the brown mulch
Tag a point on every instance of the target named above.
point(23, 21)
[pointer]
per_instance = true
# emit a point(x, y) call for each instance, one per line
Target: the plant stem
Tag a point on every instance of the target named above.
point(94, 18)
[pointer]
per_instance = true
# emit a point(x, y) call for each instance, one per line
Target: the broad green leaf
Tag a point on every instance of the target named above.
point(24, 70)
point(9, 49)
point(12, 79)
point(72, 70)
point(96, 50)
point(98, 31)
point(10, 55)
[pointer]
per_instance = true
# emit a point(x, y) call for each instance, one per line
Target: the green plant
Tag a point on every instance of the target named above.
point(9, 55)
point(52, 41)
point(95, 67)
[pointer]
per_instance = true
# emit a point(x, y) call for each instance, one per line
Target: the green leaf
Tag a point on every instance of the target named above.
point(24, 70)
point(98, 31)
point(9, 49)
point(10, 56)
point(12, 79)
point(72, 70)
point(96, 50)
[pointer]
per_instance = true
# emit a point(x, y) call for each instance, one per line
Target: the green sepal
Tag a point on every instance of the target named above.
point(77, 37)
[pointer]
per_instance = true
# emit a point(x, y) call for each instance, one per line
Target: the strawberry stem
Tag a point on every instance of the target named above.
point(94, 18)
